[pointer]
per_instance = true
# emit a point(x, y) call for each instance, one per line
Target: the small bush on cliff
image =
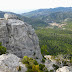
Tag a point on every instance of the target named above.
point(43, 60)
point(32, 65)
point(2, 49)
point(43, 68)
point(55, 66)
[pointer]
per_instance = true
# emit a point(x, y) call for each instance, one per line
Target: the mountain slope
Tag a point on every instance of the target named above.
point(34, 22)
point(51, 15)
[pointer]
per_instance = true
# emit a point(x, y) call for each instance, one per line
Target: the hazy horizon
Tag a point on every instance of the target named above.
point(22, 6)
point(25, 11)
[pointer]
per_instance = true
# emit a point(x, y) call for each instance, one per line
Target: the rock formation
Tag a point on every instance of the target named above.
point(11, 63)
point(49, 62)
point(55, 62)
point(64, 69)
point(10, 16)
point(19, 37)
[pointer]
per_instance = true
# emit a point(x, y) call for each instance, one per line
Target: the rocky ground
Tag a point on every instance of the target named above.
point(11, 63)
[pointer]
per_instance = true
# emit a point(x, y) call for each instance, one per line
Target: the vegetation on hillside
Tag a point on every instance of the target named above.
point(36, 23)
point(51, 15)
point(55, 41)
point(68, 25)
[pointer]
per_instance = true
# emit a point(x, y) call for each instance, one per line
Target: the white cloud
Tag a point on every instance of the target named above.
point(26, 5)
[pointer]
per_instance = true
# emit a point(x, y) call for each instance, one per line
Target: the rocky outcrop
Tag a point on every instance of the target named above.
point(10, 16)
point(64, 69)
point(19, 38)
point(49, 62)
point(11, 63)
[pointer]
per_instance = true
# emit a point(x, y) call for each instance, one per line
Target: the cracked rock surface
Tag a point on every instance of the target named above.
point(19, 38)
point(64, 69)
point(11, 63)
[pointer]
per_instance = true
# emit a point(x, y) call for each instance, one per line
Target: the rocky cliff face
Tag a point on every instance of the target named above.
point(11, 63)
point(19, 38)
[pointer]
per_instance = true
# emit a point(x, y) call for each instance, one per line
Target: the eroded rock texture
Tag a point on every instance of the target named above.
point(19, 38)
point(64, 69)
point(11, 63)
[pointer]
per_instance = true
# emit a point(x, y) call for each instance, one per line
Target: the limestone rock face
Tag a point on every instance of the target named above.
point(19, 38)
point(10, 63)
point(49, 62)
point(64, 69)
point(10, 16)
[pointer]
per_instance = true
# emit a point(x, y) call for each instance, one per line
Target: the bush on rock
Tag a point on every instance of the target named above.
point(33, 66)
point(2, 49)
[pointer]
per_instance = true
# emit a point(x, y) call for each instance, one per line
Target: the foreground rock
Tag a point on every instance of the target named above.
point(11, 63)
point(49, 62)
point(10, 16)
point(19, 38)
point(55, 62)
point(64, 69)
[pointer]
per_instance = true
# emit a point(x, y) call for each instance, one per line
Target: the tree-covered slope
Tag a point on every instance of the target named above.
point(47, 11)
point(55, 41)
point(51, 15)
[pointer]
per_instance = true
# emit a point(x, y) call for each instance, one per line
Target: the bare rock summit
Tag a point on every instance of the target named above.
point(10, 16)
point(19, 37)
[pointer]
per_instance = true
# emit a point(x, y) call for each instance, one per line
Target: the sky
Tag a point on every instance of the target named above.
point(22, 6)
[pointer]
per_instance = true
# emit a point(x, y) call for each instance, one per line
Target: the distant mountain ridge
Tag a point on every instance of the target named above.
point(51, 15)
point(48, 11)
point(42, 17)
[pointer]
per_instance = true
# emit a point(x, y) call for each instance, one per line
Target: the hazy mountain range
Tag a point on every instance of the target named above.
point(41, 17)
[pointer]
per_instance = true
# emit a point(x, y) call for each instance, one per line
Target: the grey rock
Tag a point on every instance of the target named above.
point(19, 38)
point(11, 63)
point(64, 69)
point(10, 16)
point(49, 62)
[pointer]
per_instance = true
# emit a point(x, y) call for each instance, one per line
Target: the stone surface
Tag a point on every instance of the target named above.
point(10, 16)
point(49, 62)
point(58, 60)
point(64, 69)
point(19, 38)
point(11, 63)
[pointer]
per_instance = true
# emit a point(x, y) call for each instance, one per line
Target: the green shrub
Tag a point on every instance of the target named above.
point(51, 71)
point(35, 68)
point(19, 68)
point(55, 66)
point(43, 68)
point(43, 60)
point(2, 49)
point(35, 62)
point(29, 70)
point(25, 60)
point(32, 65)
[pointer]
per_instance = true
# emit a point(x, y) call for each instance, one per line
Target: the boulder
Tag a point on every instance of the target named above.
point(64, 69)
point(19, 38)
point(10, 16)
point(11, 63)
